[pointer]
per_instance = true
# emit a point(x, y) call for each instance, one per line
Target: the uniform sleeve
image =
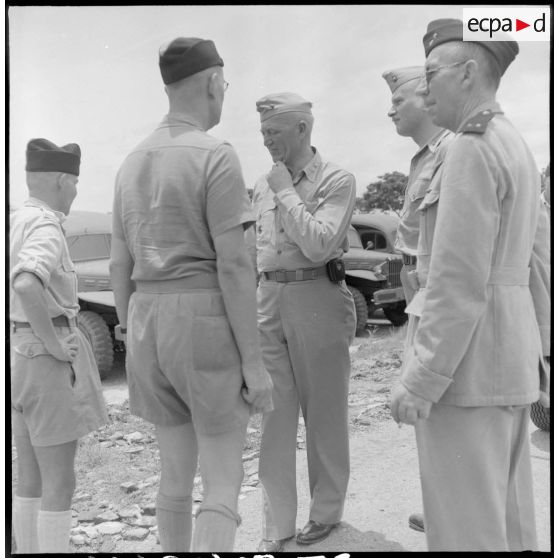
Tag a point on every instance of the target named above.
point(228, 204)
point(456, 291)
point(117, 228)
point(539, 278)
point(319, 232)
point(40, 251)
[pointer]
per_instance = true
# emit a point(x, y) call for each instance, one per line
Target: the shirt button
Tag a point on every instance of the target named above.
point(281, 230)
point(279, 251)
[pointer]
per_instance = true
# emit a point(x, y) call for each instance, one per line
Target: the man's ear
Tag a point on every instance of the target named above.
point(213, 84)
point(471, 72)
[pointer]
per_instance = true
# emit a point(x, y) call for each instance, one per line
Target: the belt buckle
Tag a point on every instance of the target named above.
point(281, 276)
point(299, 275)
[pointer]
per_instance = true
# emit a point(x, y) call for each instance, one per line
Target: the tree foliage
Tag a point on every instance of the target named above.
point(386, 194)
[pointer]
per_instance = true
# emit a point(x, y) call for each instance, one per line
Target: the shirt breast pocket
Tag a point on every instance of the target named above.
point(265, 224)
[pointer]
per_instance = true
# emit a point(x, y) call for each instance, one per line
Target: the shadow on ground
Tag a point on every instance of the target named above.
point(345, 538)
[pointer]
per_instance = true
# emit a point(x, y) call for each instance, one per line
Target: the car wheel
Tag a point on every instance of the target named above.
point(361, 309)
point(97, 333)
point(396, 314)
point(540, 416)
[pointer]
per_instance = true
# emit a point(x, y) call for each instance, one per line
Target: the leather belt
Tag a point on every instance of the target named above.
point(409, 260)
point(59, 321)
point(285, 276)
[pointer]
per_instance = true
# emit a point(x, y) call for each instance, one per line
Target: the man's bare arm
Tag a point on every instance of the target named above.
point(121, 266)
point(238, 285)
point(33, 300)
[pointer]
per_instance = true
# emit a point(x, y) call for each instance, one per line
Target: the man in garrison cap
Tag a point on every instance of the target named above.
point(306, 318)
point(56, 393)
point(184, 291)
point(479, 325)
point(411, 120)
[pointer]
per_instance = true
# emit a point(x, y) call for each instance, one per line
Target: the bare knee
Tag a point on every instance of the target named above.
point(58, 492)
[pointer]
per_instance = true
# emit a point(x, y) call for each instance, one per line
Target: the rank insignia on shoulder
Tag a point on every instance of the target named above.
point(478, 123)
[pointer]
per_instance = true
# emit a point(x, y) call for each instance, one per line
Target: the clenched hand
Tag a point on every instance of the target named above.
point(279, 177)
point(407, 407)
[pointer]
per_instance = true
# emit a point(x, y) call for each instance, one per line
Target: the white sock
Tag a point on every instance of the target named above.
point(174, 522)
point(24, 516)
point(53, 529)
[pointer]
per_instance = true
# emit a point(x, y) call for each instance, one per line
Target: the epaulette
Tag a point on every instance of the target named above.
point(478, 123)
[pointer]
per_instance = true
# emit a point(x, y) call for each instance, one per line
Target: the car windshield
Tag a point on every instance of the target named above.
point(354, 239)
point(89, 247)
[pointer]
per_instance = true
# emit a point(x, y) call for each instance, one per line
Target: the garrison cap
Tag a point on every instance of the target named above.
point(185, 56)
point(44, 156)
point(396, 78)
point(279, 103)
point(444, 30)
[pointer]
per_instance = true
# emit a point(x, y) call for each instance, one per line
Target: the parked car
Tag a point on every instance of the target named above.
point(88, 235)
point(372, 268)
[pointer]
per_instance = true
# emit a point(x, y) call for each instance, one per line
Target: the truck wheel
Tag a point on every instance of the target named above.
point(361, 309)
point(540, 416)
point(97, 333)
point(396, 314)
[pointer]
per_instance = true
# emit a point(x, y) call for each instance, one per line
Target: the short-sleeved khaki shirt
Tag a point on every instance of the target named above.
point(177, 191)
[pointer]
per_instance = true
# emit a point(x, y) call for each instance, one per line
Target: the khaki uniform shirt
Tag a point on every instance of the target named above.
point(175, 192)
point(477, 342)
point(304, 226)
point(38, 246)
point(419, 180)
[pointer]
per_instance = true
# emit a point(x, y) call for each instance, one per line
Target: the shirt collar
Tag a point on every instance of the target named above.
point(178, 119)
point(433, 143)
point(36, 202)
point(492, 105)
point(311, 169)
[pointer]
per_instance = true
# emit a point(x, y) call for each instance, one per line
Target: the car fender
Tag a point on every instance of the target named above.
point(364, 274)
point(105, 298)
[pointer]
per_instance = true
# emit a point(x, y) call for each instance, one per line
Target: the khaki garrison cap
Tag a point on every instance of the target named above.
point(280, 103)
point(442, 31)
point(396, 78)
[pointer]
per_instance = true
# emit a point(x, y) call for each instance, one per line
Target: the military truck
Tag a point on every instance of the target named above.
point(372, 268)
point(88, 235)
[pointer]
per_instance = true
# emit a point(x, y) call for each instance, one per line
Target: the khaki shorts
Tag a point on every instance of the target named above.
point(183, 363)
point(54, 402)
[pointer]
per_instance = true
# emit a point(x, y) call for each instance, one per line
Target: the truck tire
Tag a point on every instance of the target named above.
point(540, 416)
point(96, 331)
point(361, 309)
point(396, 314)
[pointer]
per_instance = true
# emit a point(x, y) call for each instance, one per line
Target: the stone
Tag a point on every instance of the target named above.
point(78, 540)
point(90, 531)
point(80, 496)
point(105, 444)
point(136, 534)
point(154, 479)
point(88, 515)
point(147, 521)
point(134, 450)
point(110, 528)
point(252, 467)
point(129, 487)
point(130, 512)
point(106, 516)
point(149, 509)
point(134, 437)
point(116, 436)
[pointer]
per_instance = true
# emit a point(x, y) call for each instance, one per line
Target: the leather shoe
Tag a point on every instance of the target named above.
point(416, 522)
point(277, 545)
point(314, 532)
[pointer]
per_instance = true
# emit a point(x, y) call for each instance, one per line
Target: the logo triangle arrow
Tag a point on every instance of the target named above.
point(519, 25)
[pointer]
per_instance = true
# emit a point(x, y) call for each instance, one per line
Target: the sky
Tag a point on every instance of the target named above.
point(90, 75)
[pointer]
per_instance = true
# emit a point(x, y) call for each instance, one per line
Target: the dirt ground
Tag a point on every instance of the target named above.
point(117, 471)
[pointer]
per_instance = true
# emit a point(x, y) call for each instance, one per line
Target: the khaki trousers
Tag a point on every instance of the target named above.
point(306, 328)
point(408, 286)
point(477, 485)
